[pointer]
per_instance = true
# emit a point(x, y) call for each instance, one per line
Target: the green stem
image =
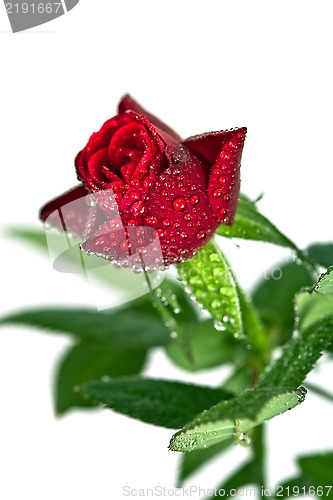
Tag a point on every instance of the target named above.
point(259, 452)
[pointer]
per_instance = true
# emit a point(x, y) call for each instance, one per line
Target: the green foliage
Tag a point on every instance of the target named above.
point(159, 402)
point(192, 462)
point(314, 479)
point(286, 309)
point(322, 253)
point(88, 361)
point(139, 330)
point(273, 297)
point(208, 348)
point(235, 417)
point(248, 473)
point(208, 277)
point(250, 224)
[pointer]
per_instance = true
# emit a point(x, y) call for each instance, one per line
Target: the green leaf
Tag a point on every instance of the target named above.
point(208, 348)
point(313, 308)
point(235, 417)
point(248, 473)
point(252, 326)
point(273, 298)
point(118, 327)
point(249, 224)
point(322, 253)
point(192, 462)
point(88, 361)
point(299, 355)
point(240, 379)
point(35, 237)
point(319, 469)
point(325, 283)
point(160, 402)
point(208, 277)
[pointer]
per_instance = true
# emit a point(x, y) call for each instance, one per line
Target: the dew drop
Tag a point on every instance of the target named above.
point(151, 220)
point(138, 208)
point(179, 204)
point(100, 241)
point(200, 234)
point(166, 222)
point(194, 199)
point(227, 197)
point(217, 193)
point(183, 234)
point(219, 326)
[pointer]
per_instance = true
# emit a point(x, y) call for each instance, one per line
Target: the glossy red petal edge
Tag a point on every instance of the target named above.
point(68, 212)
point(224, 179)
point(127, 103)
point(210, 144)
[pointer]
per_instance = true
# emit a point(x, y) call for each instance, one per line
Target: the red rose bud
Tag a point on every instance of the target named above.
point(144, 190)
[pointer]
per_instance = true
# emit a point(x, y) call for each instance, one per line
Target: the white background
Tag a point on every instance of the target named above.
point(200, 66)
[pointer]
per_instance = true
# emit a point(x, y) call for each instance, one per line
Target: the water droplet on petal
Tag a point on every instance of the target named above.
point(179, 204)
point(138, 208)
point(217, 193)
point(200, 234)
point(166, 222)
point(194, 199)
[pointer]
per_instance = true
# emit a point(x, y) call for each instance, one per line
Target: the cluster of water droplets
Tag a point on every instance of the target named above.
point(209, 282)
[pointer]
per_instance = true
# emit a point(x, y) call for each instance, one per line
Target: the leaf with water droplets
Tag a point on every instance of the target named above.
point(160, 402)
point(235, 417)
point(88, 361)
point(299, 355)
point(301, 352)
point(249, 224)
point(209, 279)
point(325, 283)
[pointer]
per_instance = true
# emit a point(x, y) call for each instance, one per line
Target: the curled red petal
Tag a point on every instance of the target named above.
point(209, 145)
point(127, 103)
point(69, 212)
point(224, 179)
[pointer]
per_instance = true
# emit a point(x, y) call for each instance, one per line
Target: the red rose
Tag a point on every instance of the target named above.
point(138, 168)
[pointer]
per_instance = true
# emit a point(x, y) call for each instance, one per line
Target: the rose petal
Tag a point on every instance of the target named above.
point(127, 103)
point(68, 212)
point(178, 206)
point(209, 145)
point(224, 179)
point(101, 139)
